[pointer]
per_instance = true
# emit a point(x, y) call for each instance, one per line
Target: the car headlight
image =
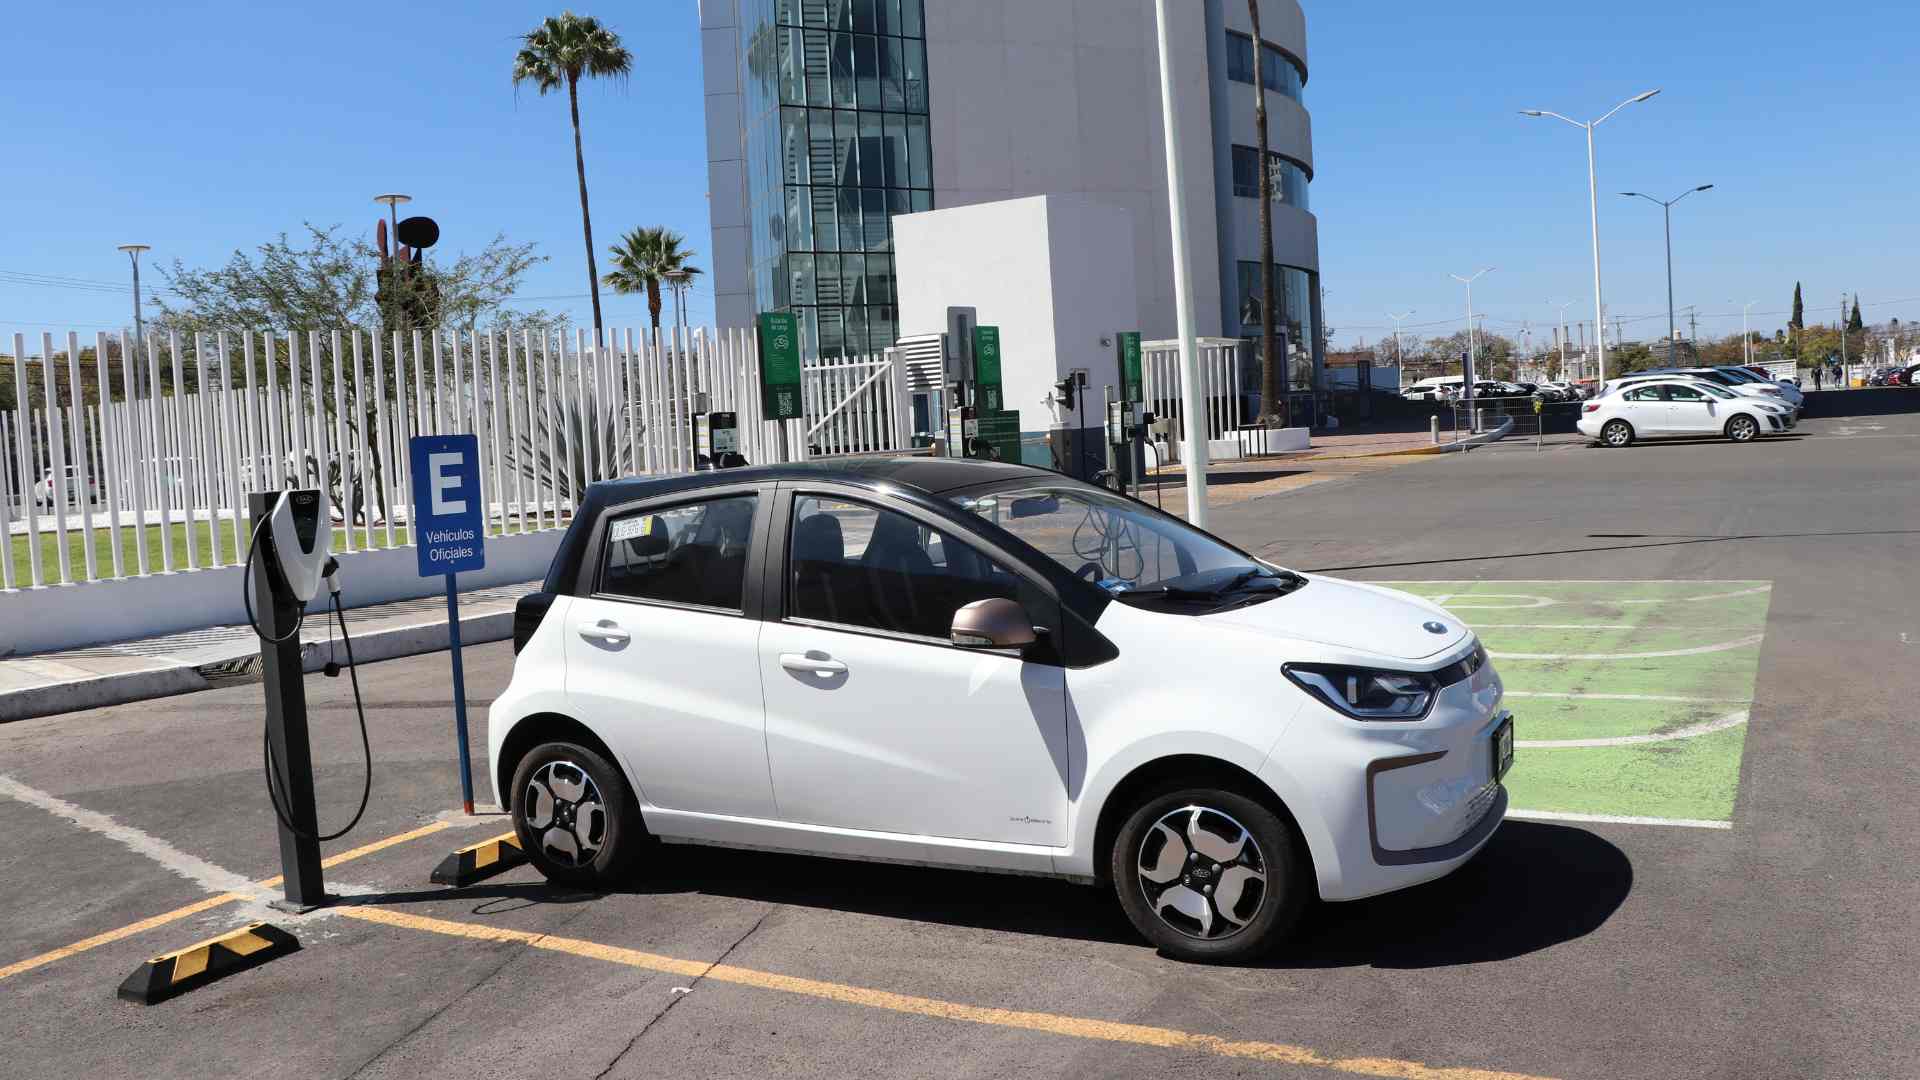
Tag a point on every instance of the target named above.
point(1367, 693)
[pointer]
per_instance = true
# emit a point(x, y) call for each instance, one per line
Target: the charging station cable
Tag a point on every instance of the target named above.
point(268, 764)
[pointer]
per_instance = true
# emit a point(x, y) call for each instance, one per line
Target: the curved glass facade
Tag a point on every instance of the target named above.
point(835, 118)
point(1281, 71)
point(1290, 179)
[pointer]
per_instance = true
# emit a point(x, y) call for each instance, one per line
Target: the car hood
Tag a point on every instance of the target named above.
point(1349, 615)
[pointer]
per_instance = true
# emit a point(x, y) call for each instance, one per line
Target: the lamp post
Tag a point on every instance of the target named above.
point(1467, 372)
point(1563, 305)
point(393, 215)
point(1397, 319)
point(1192, 414)
point(1593, 197)
point(1746, 335)
point(139, 323)
point(1666, 208)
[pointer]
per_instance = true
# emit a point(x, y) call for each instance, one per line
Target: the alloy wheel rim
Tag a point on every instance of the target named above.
point(1617, 434)
point(1202, 873)
point(566, 814)
point(1743, 428)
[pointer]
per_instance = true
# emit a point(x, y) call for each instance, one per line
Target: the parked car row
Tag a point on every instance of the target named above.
point(1452, 388)
point(1908, 375)
point(1733, 402)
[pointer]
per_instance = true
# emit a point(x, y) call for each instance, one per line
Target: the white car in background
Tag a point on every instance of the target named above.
point(1680, 407)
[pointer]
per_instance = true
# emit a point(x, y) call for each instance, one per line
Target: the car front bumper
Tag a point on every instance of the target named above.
point(1415, 800)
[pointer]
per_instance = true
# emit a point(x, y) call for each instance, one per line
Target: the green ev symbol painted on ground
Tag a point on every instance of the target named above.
point(1630, 698)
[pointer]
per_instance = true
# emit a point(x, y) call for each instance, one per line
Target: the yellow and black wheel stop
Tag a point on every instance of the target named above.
point(175, 973)
point(481, 860)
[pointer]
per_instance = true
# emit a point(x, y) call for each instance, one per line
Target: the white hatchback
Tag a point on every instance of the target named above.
point(1680, 407)
point(995, 668)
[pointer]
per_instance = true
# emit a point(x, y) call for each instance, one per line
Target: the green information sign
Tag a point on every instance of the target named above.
point(1130, 367)
point(780, 365)
point(999, 438)
point(986, 368)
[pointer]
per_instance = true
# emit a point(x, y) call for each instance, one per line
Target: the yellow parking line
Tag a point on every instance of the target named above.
point(199, 906)
point(1074, 1027)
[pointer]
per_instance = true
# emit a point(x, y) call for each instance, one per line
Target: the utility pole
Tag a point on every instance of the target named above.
point(1843, 337)
point(1194, 455)
point(139, 322)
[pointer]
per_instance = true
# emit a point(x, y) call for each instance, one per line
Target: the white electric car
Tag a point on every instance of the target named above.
point(1680, 406)
point(997, 668)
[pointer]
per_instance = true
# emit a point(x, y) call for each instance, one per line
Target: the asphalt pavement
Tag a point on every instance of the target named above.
point(1778, 946)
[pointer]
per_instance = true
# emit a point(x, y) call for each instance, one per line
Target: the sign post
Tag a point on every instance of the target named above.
point(986, 370)
point(780, 365)
point(450, 534)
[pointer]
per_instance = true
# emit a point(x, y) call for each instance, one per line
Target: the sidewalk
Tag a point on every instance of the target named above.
point(88, 678)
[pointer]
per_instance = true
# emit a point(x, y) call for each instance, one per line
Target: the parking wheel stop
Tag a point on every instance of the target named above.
point(481, 860)
point(172, 974)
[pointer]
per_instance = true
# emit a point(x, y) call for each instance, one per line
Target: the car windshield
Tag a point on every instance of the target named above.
point(1709, 388)
point(1136, 553)
point(1738, 375)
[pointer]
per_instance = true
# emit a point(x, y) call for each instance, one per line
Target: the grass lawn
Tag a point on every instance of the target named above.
point(152, 536)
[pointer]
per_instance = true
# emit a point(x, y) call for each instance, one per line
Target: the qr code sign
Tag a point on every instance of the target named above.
point(784, 401)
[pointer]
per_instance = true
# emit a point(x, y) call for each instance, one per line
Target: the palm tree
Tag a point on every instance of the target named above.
point(558, 53)
point(643, 258)
point(1273, 411)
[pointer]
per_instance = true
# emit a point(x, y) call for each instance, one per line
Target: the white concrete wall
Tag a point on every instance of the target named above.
point(726, 162)
point(1054, 273)
point(1033, 97)
point(70, 616)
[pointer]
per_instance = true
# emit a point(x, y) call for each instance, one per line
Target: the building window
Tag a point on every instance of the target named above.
point(1280, 70)
point(1290, 180)
point(835, 111)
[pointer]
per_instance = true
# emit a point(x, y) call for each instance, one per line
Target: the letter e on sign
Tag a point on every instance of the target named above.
point(441, 479)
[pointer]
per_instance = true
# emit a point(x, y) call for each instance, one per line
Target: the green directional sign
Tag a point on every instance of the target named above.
point(1130, 367)
point(780, 365)
point(986, 368)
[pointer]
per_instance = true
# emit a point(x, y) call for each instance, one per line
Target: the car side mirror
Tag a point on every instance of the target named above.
point(992, 624)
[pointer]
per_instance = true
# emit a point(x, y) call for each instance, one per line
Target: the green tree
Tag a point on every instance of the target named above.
point(1799, 319)
point(558, 53)
point(1854, 322)
point(642, 260)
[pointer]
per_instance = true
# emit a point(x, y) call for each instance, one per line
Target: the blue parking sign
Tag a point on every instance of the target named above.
point(449, 522)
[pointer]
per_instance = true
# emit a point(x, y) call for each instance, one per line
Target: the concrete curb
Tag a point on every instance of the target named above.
point(1482, 439)
point(99, 691)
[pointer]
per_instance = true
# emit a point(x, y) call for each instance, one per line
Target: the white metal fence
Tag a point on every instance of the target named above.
point(1222, 380)
point(145, 452)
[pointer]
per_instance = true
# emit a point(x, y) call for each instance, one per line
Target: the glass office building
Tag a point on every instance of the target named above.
point(836, 142)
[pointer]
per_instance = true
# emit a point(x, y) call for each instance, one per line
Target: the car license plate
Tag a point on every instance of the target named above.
point(1503, 749)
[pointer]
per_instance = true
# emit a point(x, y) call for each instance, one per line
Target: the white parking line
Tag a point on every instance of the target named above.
point(1617, 819)
point(1692, 731)
point(1721, 646)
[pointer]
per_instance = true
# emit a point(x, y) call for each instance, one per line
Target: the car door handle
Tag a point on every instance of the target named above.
point(605, 630)
point(814, 664)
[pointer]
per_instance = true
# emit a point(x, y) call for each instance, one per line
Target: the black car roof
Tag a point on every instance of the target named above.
point(927, 475)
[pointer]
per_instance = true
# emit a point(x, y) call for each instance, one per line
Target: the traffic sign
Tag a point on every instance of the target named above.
point(780, 365)
point(1132, 389)
point(449, 520)
point(986, 368)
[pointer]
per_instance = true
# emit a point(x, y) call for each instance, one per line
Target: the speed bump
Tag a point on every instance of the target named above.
point(172, 974)
point(481, 860)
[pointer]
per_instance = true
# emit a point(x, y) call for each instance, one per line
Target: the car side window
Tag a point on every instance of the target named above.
point(858, 565)
point(1644, 393)
point(1684, 393)
point(695, 553)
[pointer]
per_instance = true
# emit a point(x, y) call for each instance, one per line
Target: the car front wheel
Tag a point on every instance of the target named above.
point(1208, 874)
point(574, 815)
point(1617, 433)
point(1743, 429)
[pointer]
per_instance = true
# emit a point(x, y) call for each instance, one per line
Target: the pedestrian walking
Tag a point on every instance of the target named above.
point(1816, 378)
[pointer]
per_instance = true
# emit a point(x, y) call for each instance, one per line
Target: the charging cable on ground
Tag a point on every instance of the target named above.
point(271, 766)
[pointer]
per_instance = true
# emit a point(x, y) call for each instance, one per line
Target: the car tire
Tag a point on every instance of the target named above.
point(1743, 428)
point(1616, 433)
point(1176, 856)
point(574, 815)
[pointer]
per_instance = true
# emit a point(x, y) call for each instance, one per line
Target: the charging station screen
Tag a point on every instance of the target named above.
point(449, 522)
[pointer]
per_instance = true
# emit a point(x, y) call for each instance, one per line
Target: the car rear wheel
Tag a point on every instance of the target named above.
point(574, 815)
point(1743, 428)
point(1207, 874)
point(1617, 433)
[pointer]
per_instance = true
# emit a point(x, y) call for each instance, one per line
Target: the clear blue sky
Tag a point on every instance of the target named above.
point(203, 128)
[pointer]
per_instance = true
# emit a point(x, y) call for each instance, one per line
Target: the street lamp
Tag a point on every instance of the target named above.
point(1467, 373)
point(393, 215)
point(1396, 340)
point(139, 324)
point(1563, 305)
point(1666, 207)
point(1746, 335)
point(1593, 197)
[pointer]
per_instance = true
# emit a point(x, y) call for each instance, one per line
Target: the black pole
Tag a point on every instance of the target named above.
point(286, 694)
